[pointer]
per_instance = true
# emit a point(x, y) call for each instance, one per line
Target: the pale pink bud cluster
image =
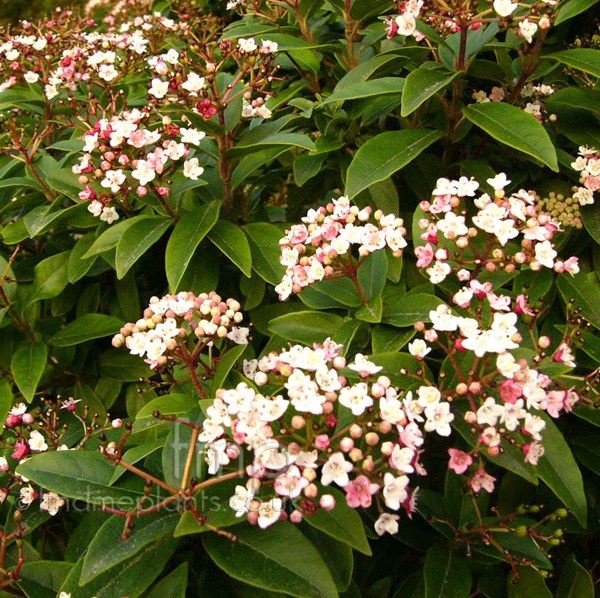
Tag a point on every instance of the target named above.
point(174, 321)
point(447, 235)
point(321, 247)
point(132, 151)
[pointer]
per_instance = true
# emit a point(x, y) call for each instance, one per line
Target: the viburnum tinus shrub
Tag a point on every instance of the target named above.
point(300, 298)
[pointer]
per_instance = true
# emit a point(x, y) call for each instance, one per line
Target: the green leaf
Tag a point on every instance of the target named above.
point(232, 241)
point(343, 523)
point(171, 586)
point(409, 309)
point(50, 277)
point(109, 238)
point(447, 575)
point(137, 239)
point(42, 579)
point(279, 558)
point(171, 404)
point(372, 274)
point(325, 294)
point(421, 84)
point(560, 472)
point(78, 474)
point(79, 266)
point(135, 454)
point(586, 293)
point(572, 9)
point(582, 59)
point(385, 154)
point(529, 585)
point(514, 127)
point(264, 245)
point(306, 166)
point(27, 366)
point(337, 556)
point(366, 89)
point(371, 311)
point(386, 339)
point(226, 362)
point(85, 328)
point(575, 581)
point(107, 549)
point(306, 327)
point(286, 139)
point(575, 97)
point(129, 578)
point(123, 366)
point(6, 401)
point(189, 231)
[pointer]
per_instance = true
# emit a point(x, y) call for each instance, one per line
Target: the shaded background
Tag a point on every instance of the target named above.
point(13, 10)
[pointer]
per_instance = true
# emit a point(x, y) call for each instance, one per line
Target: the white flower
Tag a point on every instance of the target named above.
point(429, 396)
point(439, 419)
point(527, 29)
point(37, 442)
point(442, 319)
point(192, 136)
point(438, 272)
point(394, 490)
point(268, 47)
point(504, 7)
point(172, 56)
point(107, 72)
point(545, 254)
point(159, 88)
point(143, 172)
point(387, 522)
point(113, 180)
point(31, 77)
point(109, 215)
point(240, 501)
point(336, 470)
point(27, 495)
point(192, 169)
point(407, 24)
point(51, 91)
point(193, 83)
point(356, 398)
point(418, 348)
point(269, 512)
point(246, 46)
point(52, 503)
point(239, 335)
point(499, 181)
point(95, 207)
point(363, 366)
point(453, 226)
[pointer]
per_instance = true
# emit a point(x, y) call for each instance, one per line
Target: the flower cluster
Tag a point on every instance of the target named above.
point(174, 321)
point(175, 81)
point(72, 55)
point(322, 247)
point(451, 17)
point(370, 455)
point(588, 166)
point(130, 151)
point(531, 102)
point(450, 245)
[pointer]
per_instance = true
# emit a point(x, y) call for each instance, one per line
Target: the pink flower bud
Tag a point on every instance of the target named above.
point(327, 502)
point(142, 191)
point(28, 418)
point(296, 516)
point(117, 423)
point(322, 441)
point(163, 191)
